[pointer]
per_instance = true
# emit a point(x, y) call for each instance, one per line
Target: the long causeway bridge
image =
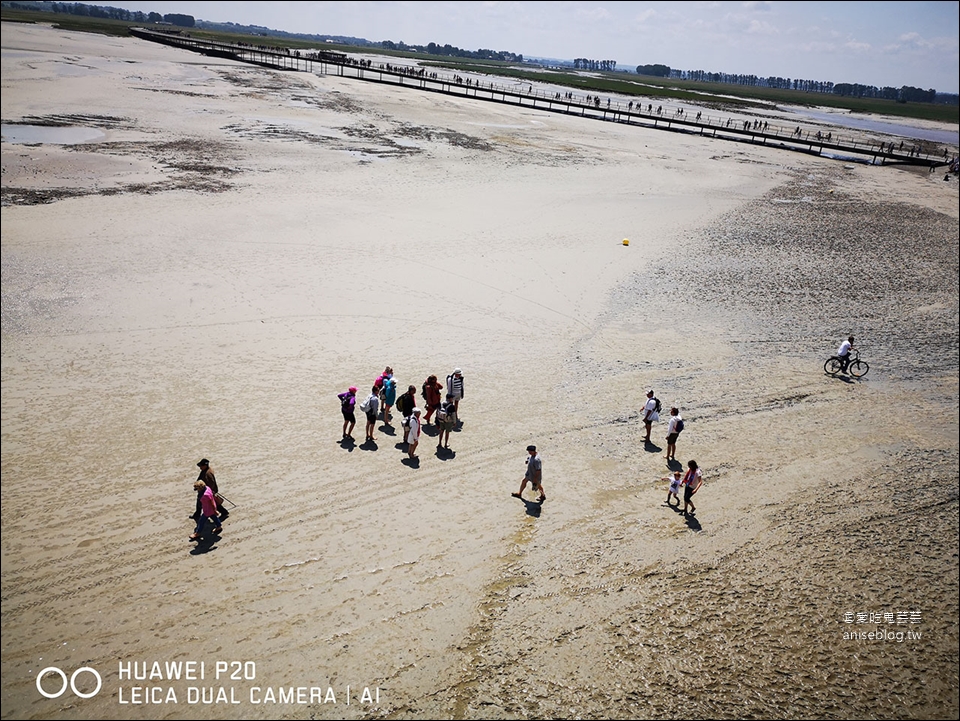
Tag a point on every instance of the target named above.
point(852, 147)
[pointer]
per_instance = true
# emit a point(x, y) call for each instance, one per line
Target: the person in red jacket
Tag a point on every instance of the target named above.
point(432, 396)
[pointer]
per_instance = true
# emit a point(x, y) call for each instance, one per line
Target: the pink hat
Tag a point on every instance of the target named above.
point(352, 389)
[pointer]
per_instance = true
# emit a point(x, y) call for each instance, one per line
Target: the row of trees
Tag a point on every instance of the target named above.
point(657, 71)
point(107, 13)
point(905, 94)
point(449, 50)
point(585, 64)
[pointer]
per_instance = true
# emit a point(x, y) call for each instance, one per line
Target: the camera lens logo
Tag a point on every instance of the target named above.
point(72, 683)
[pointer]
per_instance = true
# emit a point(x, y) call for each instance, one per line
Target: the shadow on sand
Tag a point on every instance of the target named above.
point(445, 454)
point(207, 543)
point(691, 520)
point(532, 508)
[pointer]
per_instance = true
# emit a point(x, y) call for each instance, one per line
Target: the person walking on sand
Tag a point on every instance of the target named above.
point(533, 476)
point(208, 510)
point(675, 480)
point(432, 397)
point(413, 433)
point(455, 388)
point(692, 481)
point(446, 420)
point(388, 397)
point(673, 432)
point(650, 414)
point(348, 401)
point(210, 480)
point(369, 406)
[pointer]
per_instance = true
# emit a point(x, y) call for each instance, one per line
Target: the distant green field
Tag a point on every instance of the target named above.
point(718, 95)
point(67, 22)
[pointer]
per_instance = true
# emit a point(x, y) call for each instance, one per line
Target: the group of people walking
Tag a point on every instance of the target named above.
point(441, 406)
point(209, 502)
point(444, 401)
point(691, 482)
point(693, 478)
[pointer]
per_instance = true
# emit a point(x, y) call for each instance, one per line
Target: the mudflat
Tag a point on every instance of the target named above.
point(235, 246)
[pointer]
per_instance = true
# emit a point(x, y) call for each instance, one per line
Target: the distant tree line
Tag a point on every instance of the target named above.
point(449, 50)
point(905, 94)
point(658, 71)
point(106, 12)
point(585, 64)
point(261, 30)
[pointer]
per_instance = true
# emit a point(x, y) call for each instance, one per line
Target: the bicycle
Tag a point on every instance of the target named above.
point(855, 367)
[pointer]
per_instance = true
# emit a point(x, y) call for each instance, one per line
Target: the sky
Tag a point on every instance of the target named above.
point(872, 43)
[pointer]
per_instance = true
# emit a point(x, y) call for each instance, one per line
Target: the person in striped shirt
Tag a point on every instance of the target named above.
point(455, 388)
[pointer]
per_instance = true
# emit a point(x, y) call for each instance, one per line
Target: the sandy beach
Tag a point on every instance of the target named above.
point(234, 246)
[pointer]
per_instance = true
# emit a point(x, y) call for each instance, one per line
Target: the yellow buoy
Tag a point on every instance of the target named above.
point(626, 241)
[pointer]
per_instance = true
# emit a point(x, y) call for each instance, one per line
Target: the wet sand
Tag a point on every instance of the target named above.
point(244, 244)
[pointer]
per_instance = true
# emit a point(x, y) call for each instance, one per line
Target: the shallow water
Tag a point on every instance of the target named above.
point(52, 135)
point(862, 123)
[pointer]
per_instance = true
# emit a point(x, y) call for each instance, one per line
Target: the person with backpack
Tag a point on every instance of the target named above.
point(651, 413)
point(348, 401)
point(674, 427)
point(446, 420)
point(378, 383)
point(378, 388)
point(370, 406)
point(406, 403)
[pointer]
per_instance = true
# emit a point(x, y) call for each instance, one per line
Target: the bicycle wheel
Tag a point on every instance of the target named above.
point(832, 366)
point(858, 368)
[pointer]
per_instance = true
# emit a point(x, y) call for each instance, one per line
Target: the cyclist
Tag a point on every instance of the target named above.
point(843, 353)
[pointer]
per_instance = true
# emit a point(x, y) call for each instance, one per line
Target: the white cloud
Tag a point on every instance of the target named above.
point(913, 40)
point(758, 27)
point(646, 15)
point(857, 46)
point(593, 13)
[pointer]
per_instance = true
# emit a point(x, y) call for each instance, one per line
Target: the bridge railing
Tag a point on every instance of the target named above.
point(608, 107)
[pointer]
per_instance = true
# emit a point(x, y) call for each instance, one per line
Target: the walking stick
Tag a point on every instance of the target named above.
point(227, 500)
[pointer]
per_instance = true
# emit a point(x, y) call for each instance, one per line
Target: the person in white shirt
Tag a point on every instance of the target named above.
point(370, 406)
point(843, 353)
point(413, 433)
point(673, 432)
point(649, 415)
